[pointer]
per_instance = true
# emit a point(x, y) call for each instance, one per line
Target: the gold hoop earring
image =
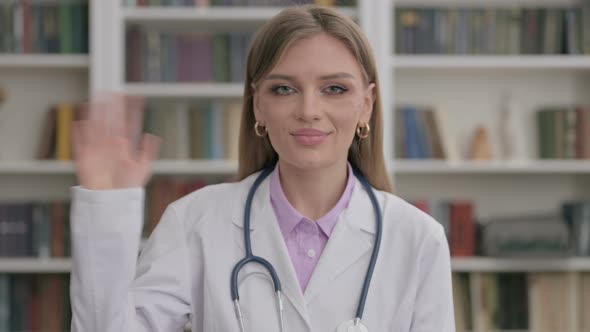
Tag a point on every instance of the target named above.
point(257, 130)
point(363, 131)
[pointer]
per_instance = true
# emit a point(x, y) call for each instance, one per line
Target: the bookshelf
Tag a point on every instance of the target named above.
point(38, 68)
point(466, 88)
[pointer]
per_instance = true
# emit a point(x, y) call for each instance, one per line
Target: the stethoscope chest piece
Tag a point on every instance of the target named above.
point(349, 326)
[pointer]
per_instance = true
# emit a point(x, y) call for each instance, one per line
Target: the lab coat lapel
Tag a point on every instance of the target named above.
point(351, 240)
point(268, 243)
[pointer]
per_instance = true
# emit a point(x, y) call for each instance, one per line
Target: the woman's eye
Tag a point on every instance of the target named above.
point(282, 90)
point(335, 90)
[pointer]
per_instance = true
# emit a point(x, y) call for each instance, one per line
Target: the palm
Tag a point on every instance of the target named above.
point(107, 154)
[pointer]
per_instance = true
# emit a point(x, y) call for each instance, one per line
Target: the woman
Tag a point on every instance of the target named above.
point(311, 116)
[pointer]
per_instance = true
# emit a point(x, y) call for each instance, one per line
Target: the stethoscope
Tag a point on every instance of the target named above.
point(348, 326)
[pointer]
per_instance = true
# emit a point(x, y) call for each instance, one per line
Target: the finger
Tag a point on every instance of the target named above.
point(76, 139)
point(134, 120)
point(96, 106)
point(116, 115)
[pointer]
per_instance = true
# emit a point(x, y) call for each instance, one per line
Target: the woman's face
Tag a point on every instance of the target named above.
point(312, 102)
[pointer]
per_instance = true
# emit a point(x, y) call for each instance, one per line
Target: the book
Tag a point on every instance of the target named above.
point(28, 26)
point(472, 30)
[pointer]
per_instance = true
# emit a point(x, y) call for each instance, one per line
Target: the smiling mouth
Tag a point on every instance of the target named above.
point(310, 138)
point(309, 132)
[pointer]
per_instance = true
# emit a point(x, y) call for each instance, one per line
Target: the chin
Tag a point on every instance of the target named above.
point(307, 161)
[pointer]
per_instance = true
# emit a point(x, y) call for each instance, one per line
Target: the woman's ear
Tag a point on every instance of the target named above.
point(368, 100)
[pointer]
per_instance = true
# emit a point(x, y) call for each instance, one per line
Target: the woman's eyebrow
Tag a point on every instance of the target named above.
point(280, 77)
point(322, 78)
point(336, 75)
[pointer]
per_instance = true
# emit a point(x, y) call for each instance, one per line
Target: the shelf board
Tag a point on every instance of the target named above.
point(491, 167)
point(137, 14)
point(197, 167)
point(227, 167)
point(46, 167)
point(468, 264)
point(489, 264)
point(35, 265)
point(161, 167)
point(185, 90)
point(44, 61)
point(485, 3)
point(512, 62)
point(206, 17)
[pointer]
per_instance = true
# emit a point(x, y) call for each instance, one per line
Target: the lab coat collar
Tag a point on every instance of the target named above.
point(352, 238)
point(267, 240)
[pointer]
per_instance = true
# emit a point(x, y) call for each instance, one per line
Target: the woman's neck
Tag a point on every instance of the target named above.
point(313, 192)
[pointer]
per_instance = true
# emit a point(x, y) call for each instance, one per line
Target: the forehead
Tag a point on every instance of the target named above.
point(317, 55)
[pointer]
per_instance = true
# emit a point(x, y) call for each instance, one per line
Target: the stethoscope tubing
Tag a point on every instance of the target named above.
point(251, 258)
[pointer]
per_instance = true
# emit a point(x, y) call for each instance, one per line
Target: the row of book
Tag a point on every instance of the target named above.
point(207, 3)
point(205, 130)
point(564, 132)
point(539, 301)
point(577, 217)
point(55, 140)
point(195, 130)
point(35, 303)
point(32, 27)
point(562, 233)
point(419, 133)
point(493, 30)
point(210, 130)
point(458, 221)
point(34, 229)
point(162, 191)
point(155, 56)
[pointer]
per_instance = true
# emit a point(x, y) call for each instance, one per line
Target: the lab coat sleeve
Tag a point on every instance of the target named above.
point(433, 309)
point(111, 290)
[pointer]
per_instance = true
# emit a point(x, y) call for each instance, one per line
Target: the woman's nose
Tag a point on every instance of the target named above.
point(310, 108)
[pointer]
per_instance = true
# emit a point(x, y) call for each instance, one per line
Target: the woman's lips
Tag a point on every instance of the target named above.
point(309, 137)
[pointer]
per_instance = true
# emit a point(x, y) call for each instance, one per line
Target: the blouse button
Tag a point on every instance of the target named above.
point(311, 253)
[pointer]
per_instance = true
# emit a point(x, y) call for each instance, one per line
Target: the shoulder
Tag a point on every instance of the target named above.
point(406, 220)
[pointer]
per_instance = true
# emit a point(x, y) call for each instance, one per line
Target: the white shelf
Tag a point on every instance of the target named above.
point(36, 167)
point(44, 61)
point(471, 264)
point(454, 62)
point(226, 167)
point(488, 264)
point(185, 90)
point(35, 265)
point(485, 3)
point(194, 167)
point(210, 14)
point(492, 167)
point(197, 167)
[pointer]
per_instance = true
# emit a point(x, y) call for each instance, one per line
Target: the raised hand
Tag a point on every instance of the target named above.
point(110, 149)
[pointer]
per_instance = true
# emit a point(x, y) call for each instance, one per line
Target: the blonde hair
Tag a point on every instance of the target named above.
point(290, 25)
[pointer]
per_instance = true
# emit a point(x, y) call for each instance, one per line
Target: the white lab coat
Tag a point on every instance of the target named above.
point(184, 270)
